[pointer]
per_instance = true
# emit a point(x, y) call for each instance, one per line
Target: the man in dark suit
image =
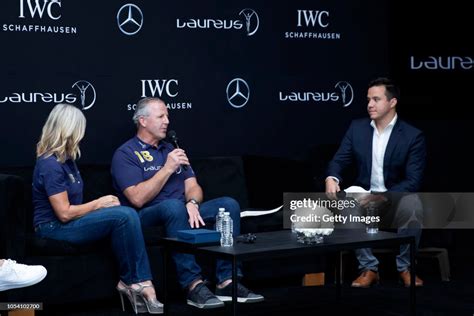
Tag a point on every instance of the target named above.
point(389, 156)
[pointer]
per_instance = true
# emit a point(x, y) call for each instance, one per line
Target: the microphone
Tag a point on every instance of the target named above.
point(174, 140)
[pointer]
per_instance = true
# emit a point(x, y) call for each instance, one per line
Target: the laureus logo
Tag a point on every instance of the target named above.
point(249, 21)
point(347, 93)
point(252, 22)
point(343, 94)
point(442, 63)
point(85, 98)
point(87, 94)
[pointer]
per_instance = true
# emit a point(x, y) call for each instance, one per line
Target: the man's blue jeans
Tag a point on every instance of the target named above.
point(408, 219)
point(121, 224)
point(173, 215)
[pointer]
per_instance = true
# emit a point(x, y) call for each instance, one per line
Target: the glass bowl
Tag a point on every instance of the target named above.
point(310, 236)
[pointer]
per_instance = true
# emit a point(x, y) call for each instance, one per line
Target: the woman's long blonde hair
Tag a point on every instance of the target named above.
point(62, 132)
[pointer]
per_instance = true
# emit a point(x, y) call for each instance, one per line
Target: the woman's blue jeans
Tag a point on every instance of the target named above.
point(121, 224)
point(173, 215)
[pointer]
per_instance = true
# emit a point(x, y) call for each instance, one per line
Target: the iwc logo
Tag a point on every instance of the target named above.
point(39, 16)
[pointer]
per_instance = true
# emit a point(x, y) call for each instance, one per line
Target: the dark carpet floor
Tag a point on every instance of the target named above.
point(388, 298)
point(453, 298)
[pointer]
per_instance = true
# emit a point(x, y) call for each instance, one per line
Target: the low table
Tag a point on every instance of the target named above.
point(283, 244)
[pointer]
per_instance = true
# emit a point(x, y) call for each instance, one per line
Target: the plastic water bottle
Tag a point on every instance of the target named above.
point(219, 218)
point(372, 212)
point(227, 229)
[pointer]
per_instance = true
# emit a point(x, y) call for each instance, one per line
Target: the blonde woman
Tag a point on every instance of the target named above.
point(60, 213)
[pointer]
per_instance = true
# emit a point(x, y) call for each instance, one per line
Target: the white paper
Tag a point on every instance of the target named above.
point(260, 213)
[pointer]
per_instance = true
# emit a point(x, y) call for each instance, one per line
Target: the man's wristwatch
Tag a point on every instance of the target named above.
point(193, 201)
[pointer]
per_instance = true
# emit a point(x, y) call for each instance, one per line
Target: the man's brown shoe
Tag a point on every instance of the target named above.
point(366, 279)
point(405, 276)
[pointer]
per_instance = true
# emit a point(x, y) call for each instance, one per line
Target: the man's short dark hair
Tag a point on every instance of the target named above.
point(391, 88)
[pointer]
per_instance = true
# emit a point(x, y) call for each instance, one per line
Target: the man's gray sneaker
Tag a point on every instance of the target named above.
point(202, 297)
point(244, 295)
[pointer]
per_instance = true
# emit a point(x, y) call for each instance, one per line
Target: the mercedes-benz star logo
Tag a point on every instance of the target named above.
point(238, 93)
point(83, 87)
point(250, 14)
point(130, 19)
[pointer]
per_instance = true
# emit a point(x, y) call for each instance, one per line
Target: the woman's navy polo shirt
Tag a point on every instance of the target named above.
point(51, 177)
point(136, 161)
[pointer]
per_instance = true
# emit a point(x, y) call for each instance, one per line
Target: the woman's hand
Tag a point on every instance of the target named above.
point(107, 201)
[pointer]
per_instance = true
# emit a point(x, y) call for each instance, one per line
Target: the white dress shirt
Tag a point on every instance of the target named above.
point(379, 145)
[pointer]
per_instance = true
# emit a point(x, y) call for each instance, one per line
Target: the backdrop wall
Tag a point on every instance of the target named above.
point(431, 56)
point(239, 77)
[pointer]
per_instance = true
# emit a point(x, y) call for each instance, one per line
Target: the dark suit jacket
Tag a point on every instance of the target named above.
point(404, 160)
